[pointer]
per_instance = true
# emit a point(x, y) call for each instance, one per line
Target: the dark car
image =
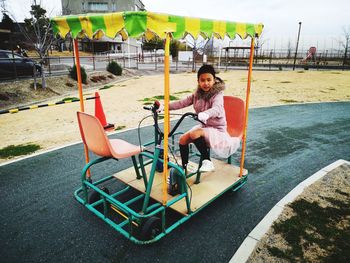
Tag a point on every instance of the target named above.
point(14, 64)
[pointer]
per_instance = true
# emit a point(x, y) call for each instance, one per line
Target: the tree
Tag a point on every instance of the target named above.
point(37, 31)
point(345, 43)
point(154, 43)
point(6, 22)
point(199, 47)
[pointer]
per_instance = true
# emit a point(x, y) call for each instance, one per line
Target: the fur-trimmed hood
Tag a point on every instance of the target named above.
point(219, 86)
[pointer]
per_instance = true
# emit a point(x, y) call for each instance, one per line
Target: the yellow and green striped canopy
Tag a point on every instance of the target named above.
point(148, 24)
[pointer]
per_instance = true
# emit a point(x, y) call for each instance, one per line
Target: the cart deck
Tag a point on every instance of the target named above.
point(212, 184)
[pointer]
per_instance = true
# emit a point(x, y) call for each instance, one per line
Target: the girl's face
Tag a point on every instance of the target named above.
point(206, 81)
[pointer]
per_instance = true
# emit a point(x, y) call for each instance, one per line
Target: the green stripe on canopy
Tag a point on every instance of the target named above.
point(98, 23)
point(206, 27)
point(74, 25)
point(180, 26)
point(135, 23)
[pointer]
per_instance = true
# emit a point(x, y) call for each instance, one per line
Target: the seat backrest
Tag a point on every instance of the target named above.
point(93, 134)
point(235, 112)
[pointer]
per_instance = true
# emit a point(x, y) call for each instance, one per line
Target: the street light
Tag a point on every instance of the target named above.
point(296, 48)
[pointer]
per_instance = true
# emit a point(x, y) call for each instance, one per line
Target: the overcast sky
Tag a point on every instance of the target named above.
point(322, 20)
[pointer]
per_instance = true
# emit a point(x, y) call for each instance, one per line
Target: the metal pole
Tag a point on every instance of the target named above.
point(166, 114)
point(93, 55)
point(247, 106)
point(296, 48)
point(80, 88)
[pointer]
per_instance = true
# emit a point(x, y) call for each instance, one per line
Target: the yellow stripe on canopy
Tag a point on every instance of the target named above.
point(258, 29)
point(86, 25)
point(219, 28)
point(241, 30)
point(62, 25)
point(158, 23)
point(192, 26)
point(114, 22)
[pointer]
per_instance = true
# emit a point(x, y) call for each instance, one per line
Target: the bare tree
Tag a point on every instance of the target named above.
point(38, 32)
point(289, 49)
point(259, 42)
point(345, 43)
point(199, 47)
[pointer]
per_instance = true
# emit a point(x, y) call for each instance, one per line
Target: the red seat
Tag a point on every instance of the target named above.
point(235, 112)
point(96, 140)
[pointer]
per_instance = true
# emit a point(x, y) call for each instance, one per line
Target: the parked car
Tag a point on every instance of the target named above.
point(10, 65)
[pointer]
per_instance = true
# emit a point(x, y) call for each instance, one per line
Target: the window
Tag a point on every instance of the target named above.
point(94, 6)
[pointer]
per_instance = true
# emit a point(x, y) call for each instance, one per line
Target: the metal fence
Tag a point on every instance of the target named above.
point(153, 60)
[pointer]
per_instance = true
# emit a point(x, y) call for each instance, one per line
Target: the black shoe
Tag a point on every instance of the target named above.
point(173, 187)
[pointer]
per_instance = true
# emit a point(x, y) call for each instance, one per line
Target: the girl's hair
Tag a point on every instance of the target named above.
point(206, 69)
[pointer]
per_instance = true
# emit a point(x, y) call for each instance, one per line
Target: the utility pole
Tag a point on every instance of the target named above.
point(296, 48)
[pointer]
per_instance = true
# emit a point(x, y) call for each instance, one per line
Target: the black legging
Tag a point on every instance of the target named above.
point(201, 146)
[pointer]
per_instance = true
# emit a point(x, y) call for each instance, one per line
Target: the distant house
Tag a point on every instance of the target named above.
point(11, 35)
point(72, 7)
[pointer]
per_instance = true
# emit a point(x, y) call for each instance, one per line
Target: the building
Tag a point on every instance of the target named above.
point(70, 7)
point(73, 7)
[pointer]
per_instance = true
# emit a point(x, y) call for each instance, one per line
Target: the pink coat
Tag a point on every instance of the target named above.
point(215, 130)
point(214, 107)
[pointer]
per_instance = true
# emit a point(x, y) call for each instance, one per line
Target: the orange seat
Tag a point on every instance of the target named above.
point(235, 112)
point(96, 140)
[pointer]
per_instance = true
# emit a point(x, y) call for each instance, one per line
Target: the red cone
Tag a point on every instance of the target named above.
point(99, 114)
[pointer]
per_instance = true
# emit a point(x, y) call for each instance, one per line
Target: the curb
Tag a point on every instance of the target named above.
point(247, 247)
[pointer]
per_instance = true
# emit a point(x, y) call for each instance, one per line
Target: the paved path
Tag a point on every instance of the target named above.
point(41, 221)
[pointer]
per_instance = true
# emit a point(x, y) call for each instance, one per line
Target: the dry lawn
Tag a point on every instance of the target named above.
point(328, 200)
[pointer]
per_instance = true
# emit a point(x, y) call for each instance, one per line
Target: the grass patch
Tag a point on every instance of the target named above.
point(148, 101)
point(17, 150)
point(70, 98)
point(335, 72)
point(288, 100)
point(286, 81)
point(331, 88)
point(313, 225)
point(106, 87)
point(246, 79)
point(301, 71)
point(120, 127)
point(183, 92)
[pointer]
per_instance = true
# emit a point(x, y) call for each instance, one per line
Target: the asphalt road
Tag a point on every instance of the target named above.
point(42, 222)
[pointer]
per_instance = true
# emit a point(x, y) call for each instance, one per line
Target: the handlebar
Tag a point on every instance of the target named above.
point(154, 109)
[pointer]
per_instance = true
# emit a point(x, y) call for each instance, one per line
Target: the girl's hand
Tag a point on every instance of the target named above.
point(202, 116)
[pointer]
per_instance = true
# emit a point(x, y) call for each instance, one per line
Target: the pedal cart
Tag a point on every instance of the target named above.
point(142, 207)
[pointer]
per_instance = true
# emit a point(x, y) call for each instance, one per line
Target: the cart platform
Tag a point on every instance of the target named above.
point(212, 184)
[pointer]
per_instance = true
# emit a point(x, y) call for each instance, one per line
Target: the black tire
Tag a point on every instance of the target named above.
point(95, 196)
point(150, 228)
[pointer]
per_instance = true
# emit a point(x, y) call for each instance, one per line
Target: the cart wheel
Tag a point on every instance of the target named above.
point(95, 196)
point(150, 228)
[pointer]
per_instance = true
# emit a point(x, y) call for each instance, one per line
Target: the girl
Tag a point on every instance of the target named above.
point(208, 103)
